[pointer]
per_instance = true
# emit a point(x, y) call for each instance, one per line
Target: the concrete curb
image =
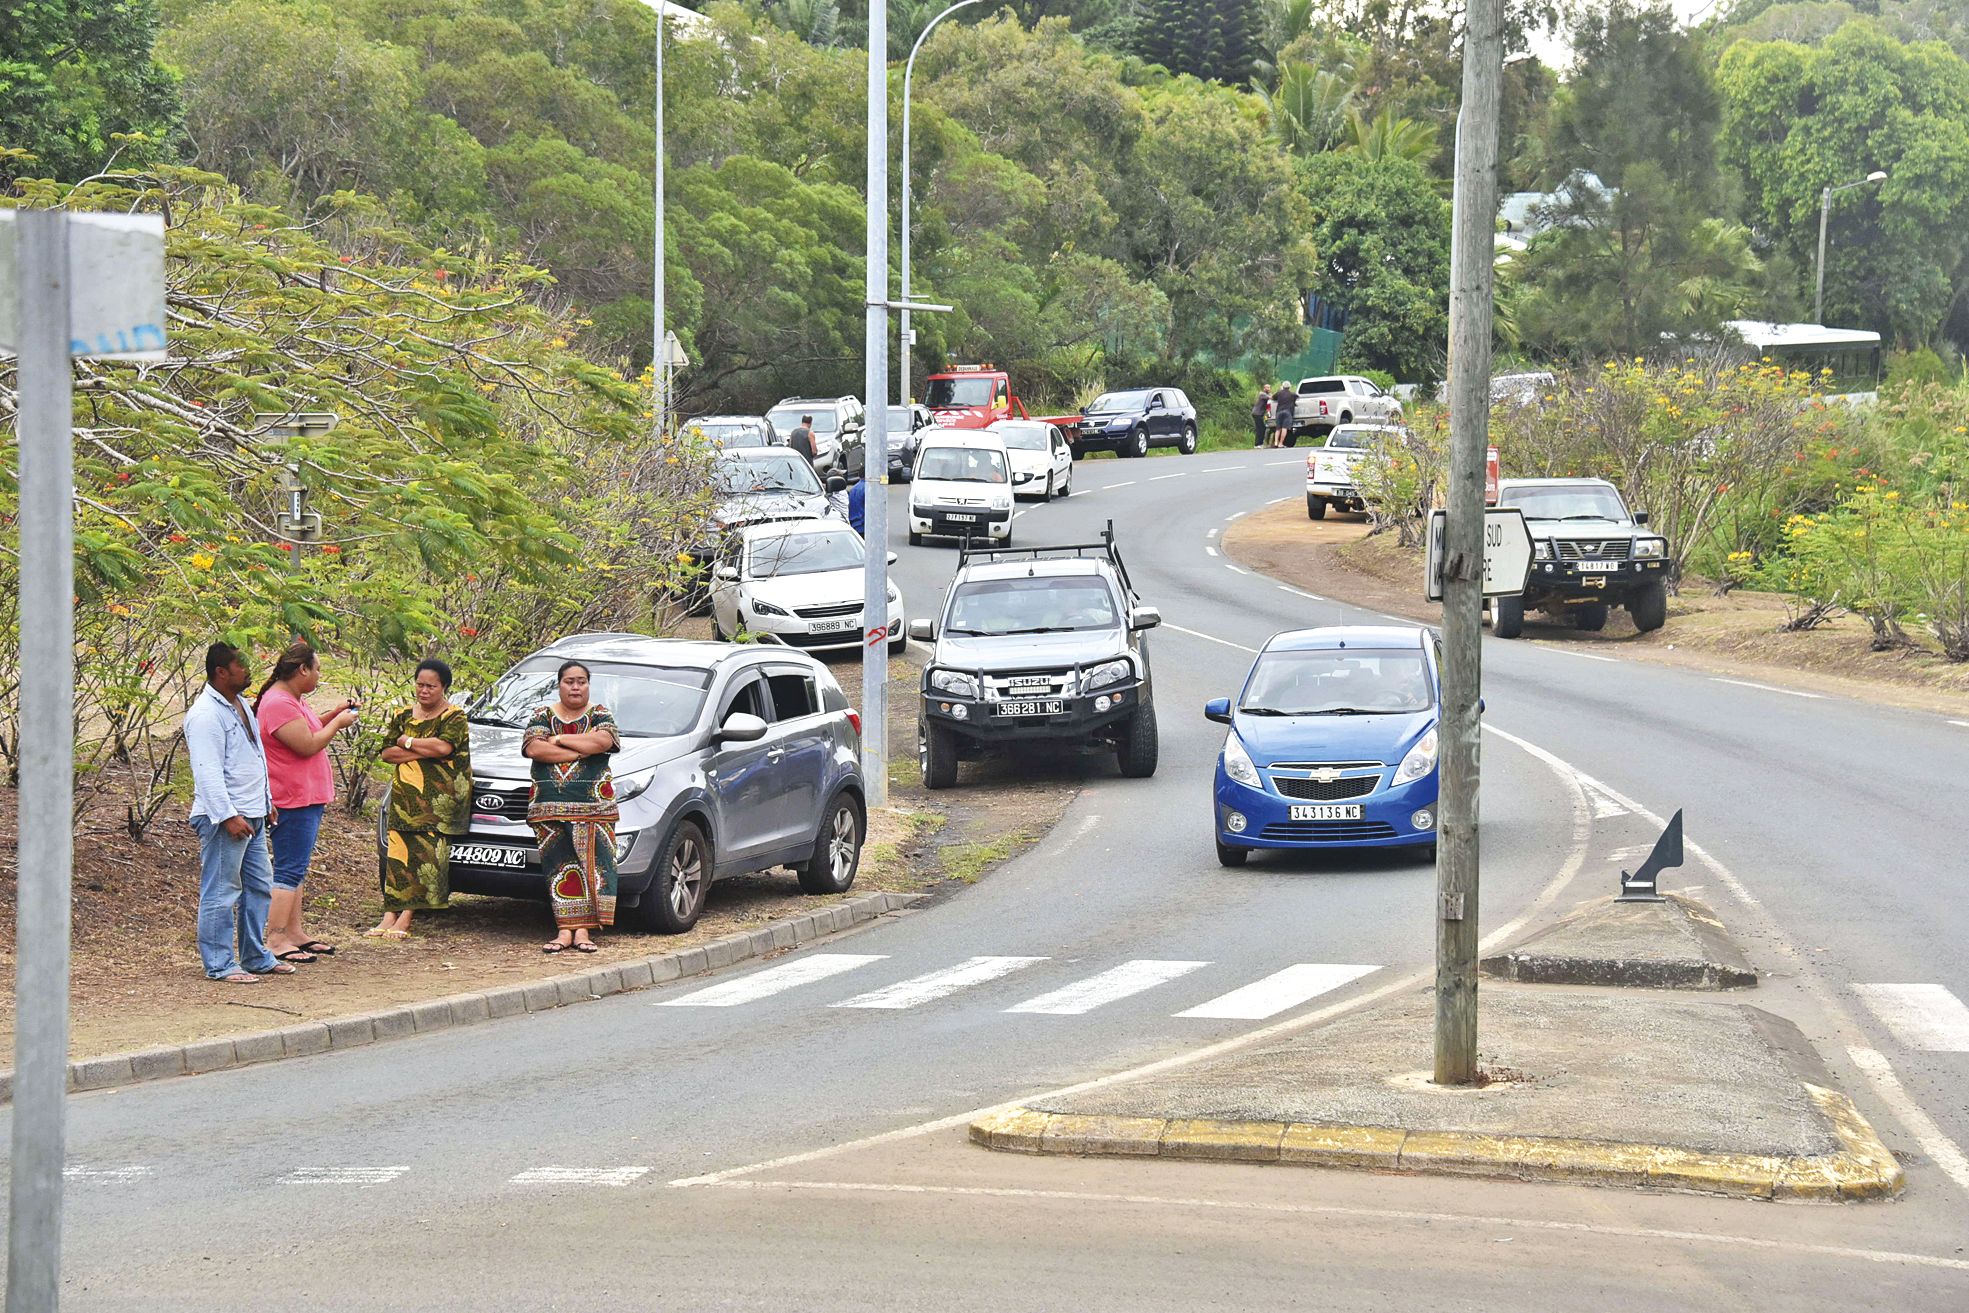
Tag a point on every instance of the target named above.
point(1861, 1169)
point(1721, 964)
point(311, 1037)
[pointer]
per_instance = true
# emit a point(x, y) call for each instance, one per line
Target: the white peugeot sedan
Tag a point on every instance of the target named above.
point(800, 581)
point(1042, 463)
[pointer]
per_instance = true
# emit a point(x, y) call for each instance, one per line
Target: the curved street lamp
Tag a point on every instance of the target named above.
point(1825, 209)
point(908, 75)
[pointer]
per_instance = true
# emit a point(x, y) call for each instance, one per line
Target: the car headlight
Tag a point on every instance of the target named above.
point(1541, 550)
point(1237, 762)
point(1109, 672)
point(1650, 549)
point(1421, 759)
point(954, 682)
point(1001, 501)
point(767, 608)
point(629, 786)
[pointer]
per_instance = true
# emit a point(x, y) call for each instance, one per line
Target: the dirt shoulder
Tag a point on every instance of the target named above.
point(1736, 636)
point(137, 981)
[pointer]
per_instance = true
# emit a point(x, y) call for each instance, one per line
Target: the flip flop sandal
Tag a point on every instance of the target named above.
point(238, 978)
point(277, 969)
point(296, 955)
point(316, 946)
point(587, 948)
point(555, 947)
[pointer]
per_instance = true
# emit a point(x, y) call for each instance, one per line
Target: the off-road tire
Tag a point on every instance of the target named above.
point(1229, 856)
point(1140, 746)
point(659, 909)
point(1648, 605)
point(1315, 507)
point(1507, 616)
point(1590, 616)
point(842, 826)
point(936, 753)
point(1188, 445)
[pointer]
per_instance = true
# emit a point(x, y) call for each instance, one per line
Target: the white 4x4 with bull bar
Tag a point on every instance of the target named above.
point(1038, 644)
point(1588, 556)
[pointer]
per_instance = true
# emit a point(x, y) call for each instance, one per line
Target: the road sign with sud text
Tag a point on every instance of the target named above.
point(1507, 553)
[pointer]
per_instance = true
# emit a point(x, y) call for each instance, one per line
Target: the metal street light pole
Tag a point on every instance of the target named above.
point(875, 436)
point(908, 75)
point(1825, 210)
point(658, 366)
point(1458, 732)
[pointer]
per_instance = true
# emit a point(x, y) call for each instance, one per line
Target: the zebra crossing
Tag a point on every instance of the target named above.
point(809, 974)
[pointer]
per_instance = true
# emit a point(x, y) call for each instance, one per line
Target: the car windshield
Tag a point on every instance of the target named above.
point(1327, 682)
point(775, 556)
point(1023, 437)
point(733, 434)
point(962, 465)
point(1570, 501)
point(771, 470)
point(1119, 401)
point(646, 701)
point(949, 393)
point(787, 418)
point(1352, 438)
point(1032, 606)
point(900, 419)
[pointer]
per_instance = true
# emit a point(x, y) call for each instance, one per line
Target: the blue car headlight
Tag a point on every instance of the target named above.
point(1237, 762)
point(1421, 759)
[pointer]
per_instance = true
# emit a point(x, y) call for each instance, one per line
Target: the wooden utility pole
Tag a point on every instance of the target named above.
point(1472, 250)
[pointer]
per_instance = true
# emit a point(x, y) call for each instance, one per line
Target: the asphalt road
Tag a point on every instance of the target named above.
point(523, 1164)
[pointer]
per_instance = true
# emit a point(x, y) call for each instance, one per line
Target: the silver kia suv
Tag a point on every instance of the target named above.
point(735, 758)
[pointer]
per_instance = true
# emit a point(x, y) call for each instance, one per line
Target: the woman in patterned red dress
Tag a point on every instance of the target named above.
point(573, 809)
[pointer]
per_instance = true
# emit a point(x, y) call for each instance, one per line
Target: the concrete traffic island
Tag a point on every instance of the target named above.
point(1594, 1088)
point(1674, 944)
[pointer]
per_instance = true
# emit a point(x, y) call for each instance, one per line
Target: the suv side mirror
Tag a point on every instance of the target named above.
point(741, 727)
point(892, 558)
point(1640, 517)
point(835, 483)
point(923, 631)
point(1218, 709)
point(1143, 617)
point(727, 572)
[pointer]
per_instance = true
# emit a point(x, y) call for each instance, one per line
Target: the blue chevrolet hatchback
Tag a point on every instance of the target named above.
point(1332, 744)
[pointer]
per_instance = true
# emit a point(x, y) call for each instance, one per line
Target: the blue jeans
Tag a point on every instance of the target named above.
point(292, 838)
point(235, 887)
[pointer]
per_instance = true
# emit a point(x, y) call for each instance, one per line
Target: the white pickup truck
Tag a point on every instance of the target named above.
point(1336, 399)
point(1330, 469)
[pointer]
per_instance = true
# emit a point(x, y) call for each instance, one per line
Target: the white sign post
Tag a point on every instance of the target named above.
point(1507, 553)
point(70, 285)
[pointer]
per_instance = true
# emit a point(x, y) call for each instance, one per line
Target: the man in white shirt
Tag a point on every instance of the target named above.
point(229, 811)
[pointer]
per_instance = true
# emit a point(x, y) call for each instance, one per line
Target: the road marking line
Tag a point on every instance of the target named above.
point(1158, 478)
point(1125, 483)
point(1561, 880)
point(1963, 723)
point(1210, 638)
point(1300, 592)
point(1107, 987)
point(1583, 656)
point(1294, 461)
point(1921, 1016)
point(1768, 688)
point(1219, 469)
point(616, 1176)
point(1214, 532)
point(343, 1175)
point(1946, 1153)
point(774, 980)
point(1228, 518)
point(1605, 807)
point(83, 1172)
point(937, 984)
point(1430, 1219)
point(1279, 991)
point(1229, 566)
point(1276, 500)
point(1210, 550)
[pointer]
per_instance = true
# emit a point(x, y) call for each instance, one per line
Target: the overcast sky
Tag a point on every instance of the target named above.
point(1555, 52)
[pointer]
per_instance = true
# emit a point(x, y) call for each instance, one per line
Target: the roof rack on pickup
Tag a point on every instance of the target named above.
point(966, 553)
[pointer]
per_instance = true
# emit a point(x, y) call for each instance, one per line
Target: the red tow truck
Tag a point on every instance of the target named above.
point(976, 396)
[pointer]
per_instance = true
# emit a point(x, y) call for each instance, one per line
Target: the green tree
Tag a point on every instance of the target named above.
point(1309, 108)
point(79, 85)
point(1798, 118)
point(1218, 40)
point(1382, 232)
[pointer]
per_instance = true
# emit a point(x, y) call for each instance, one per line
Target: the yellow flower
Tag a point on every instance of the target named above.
point(1893, 496)
point(117, 608)
point(558, 342)
point(200, 561)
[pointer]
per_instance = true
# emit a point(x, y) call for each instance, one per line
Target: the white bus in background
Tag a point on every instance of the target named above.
point(1852, 354)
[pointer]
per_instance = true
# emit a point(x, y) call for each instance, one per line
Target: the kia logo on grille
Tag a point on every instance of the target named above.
point(489, 802)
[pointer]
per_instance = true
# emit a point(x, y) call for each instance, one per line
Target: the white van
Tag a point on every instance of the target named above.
point(961, 487)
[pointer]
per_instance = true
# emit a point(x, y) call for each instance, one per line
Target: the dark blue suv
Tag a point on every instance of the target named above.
point(1131, 422)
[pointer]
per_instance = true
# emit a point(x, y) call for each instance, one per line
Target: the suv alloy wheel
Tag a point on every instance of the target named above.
point(676, 895)
point(1138, 443)
point(837, 848)
point(1188, 445)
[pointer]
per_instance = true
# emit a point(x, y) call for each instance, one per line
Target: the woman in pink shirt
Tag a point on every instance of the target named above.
point(302, 781)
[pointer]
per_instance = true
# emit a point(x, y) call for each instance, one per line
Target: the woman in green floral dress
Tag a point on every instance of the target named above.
point(430, 744)
point(573, 811)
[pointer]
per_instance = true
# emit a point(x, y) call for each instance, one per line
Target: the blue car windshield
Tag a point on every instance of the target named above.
point(1329, 682)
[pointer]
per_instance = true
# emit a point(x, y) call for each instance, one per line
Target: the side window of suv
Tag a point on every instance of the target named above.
point(748, 697)
point(793, 693)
